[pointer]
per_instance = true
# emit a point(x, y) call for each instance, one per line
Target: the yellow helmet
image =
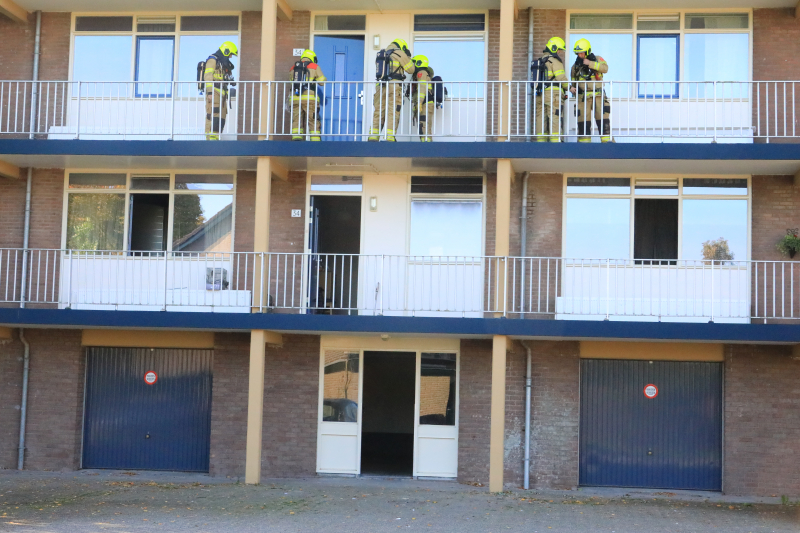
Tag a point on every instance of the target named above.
point(228, 49)
point(402, 45)
point(582, 46)
point(310, 55)
point(420, 61)
point(555, 44)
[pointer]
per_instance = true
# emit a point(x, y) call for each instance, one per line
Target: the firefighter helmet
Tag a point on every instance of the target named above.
point(583, 46)
point(229, 49)
point(420, 61)
point(555, 44)
point(402, 45)
point(310, 55)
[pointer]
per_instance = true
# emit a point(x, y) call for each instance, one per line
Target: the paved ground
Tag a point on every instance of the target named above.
point(114, 501)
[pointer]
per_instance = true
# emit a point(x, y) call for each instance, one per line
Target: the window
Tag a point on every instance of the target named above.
point(703, 62)
point(704, 219)
point(657, 62)
point(616, 49)
point(446, 228)
point(340, 387)
point(146, 213)
point(154, 61)
point(475, 22)
point(441, 54)
point(340, 22)
point(437, 389)
point(336, 183)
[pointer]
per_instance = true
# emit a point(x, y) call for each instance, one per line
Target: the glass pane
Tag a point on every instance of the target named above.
point(150, 184)
point(446, 185)
point(617, 50)
point(437, 389)
point(702, 63)
point(460, 60)
point(657, 61)
point(204, 182)
point(196, 48)
point(713, 186)
point(151, 27)
point(95, 221)
point(617, 21)
point(598, 228)
point(104, 58)
point(202, 223)
point(154, 63)
point(340, 387)
point(656, 188)
point(655, 22)
point(340, 22)
point(717, 21)
point(473, 22)
point(97, 181)
point(446, 228)
point(210, 23)
point(714, 229)
point(598, 185)
point(103, 23)
point(336, 183)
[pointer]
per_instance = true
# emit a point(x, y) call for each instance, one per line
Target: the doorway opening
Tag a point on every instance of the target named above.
point(335, 229)
point(149, 216)
point(387, 426)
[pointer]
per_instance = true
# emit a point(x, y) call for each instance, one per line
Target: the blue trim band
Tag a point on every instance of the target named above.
point(459, 150)
point(467, 327)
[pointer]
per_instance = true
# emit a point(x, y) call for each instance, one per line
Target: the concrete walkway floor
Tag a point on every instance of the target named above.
point(93, 501)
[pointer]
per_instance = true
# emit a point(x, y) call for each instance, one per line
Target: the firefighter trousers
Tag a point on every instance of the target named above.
point(424, 114)
point(216, 113)
point(387, 104)
point(547, 116)
point(593, 103)
point(305, 116)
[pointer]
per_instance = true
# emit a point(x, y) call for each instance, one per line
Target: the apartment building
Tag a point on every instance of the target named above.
point(480, 308)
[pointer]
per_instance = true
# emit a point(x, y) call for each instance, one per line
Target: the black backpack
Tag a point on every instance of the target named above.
point(383, 66)
point(201, 70)
point(300, 76)
point(439, 90)
point(539, 75)
point(227, 70)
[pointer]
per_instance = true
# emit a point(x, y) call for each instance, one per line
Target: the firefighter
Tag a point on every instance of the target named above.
point(422, 97)
point(589, 68)
point(218, 70)
point(391, 67)
point(547, 114)
point(306, 74)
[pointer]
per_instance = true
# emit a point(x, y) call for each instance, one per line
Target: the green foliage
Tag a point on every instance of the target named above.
point(717, 250)
point(790, 243)
point(95, 221)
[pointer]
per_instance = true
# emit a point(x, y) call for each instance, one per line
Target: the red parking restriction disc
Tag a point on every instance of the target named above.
point(150, 377)
point(651, 391)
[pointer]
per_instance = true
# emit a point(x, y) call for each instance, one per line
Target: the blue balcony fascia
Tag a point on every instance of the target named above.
point(459, 327)
point(439, 150)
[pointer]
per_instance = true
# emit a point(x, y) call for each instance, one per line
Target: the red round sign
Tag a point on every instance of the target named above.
point(651, 391)
point(150, 377)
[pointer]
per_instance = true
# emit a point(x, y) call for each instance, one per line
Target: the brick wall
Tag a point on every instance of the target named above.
point(19, 64)
point(776, 207)
point(291, 396)
point(295, 33)
point(286, 233)
point(762, 421)
point(520, 62)
point(10, 397)
point(54, 61)
point(12, 212)
point(514, 441)
point(55, 400)
point(47, 200)
point(229, 404)
point(245, 210)
point(475, 394)
point(549, 23)
point(250, 64)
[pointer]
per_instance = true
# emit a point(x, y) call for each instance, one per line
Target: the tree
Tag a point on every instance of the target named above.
point(717, 250)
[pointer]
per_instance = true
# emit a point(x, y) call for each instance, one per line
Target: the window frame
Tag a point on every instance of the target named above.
point(678, 65)
point(682, 32)
point(158, 37)
point(127, 191)
point(679, 197)
point(135, 34)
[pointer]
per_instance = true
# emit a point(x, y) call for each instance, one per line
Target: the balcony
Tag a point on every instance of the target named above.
point(477, 287)
point(739, 112)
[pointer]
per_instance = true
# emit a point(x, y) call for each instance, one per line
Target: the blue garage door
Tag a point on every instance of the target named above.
point(668, 436)
point(131, 424)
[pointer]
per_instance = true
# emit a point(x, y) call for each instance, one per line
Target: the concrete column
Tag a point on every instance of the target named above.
point(261, 229)
point(498, 425)
point(507, 12)
point(255, 408)
point(269, 26)
point(505, 175)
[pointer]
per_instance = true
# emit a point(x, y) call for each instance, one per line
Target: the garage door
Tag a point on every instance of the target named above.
point(651, 424)
point(147, 409)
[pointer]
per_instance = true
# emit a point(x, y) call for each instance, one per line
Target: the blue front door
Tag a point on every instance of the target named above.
point(341, 58)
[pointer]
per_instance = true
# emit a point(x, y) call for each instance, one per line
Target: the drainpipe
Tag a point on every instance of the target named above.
point(527, 464)
point(23, 411)
point(26, 232)
point(35, 85)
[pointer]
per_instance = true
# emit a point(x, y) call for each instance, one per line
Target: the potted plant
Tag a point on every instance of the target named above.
point(790, 243)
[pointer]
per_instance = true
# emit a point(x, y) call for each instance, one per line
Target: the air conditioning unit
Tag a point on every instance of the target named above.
point(216, 279)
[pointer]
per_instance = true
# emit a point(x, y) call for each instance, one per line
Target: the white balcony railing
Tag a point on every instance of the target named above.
point(516, 287)
point(497, 111)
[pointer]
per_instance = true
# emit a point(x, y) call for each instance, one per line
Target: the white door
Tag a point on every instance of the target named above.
point(436, 453)
point(338, 437)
